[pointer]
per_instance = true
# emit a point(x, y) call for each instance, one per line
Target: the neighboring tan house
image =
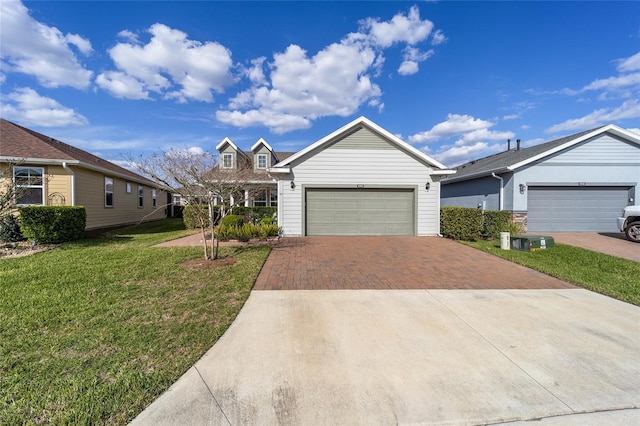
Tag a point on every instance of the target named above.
point(359, 180)
point(261, 189)
point(53, 173)
point(577, 183)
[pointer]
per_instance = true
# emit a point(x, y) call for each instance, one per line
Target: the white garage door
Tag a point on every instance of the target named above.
point(575, 209)
point(360, 212)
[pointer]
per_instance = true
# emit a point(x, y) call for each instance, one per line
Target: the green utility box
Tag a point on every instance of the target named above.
point(531, 243)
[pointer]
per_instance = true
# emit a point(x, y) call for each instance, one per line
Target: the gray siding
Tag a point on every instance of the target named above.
point(603, 161)
point(472, 193)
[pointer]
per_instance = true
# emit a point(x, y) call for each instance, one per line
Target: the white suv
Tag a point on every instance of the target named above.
point(629, 223)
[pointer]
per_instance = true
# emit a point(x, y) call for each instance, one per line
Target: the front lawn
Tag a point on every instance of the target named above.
point(608, 275)
point(94, 331)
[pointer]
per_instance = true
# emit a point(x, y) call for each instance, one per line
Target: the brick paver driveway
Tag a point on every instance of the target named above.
point(320, 263)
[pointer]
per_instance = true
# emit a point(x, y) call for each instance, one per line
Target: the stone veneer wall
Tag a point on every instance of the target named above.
point(520, 219)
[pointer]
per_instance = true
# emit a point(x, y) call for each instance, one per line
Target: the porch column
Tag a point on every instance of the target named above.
point(246, 198)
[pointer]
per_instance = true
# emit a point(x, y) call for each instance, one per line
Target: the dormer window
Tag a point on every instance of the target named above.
point(227, 161)
point(262, 161)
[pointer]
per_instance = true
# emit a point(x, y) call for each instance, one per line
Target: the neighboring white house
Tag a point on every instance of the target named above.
point(359, 180)
point(577, 183)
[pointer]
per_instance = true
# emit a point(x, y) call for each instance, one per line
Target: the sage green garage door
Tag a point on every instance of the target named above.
point(575, 208)
point(360, 211)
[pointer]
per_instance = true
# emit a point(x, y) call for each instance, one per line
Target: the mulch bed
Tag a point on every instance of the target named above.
point(23, 248)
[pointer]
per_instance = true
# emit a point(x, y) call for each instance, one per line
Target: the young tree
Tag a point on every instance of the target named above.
point(198, 179)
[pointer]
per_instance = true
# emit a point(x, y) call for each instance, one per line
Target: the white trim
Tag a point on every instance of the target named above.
point(263, 142)
point(611, 128)
point(225, 141)
point(224, 155)
point(501, 194)
point(51, 161)
point(362, 121)
point(278, 170)
point(266, 161)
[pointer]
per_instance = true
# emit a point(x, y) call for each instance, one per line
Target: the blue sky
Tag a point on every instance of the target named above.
point(454, 79)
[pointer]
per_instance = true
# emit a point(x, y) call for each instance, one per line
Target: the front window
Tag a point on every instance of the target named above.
point(154, 194)
point(262, 161)
point(274, 198)
point(260, 199)
point(108, 192)
point(29, 183)
point(227, 161)
point(140, 196)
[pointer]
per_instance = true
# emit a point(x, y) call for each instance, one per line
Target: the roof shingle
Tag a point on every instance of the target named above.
point(18, 142)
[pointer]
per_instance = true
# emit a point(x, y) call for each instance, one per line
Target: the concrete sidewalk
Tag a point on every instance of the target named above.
point(568, 356)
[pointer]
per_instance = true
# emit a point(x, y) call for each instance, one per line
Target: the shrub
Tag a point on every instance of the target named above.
point(255, 214)
point(514, 228)
point(461, 223)
point(191, 220)
point(268, 221)
point(246, 231)
point(494, 222)
point(10, 229)
point(232, 220)
point(52, 225)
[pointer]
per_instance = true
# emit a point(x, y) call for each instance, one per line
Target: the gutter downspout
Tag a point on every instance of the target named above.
point(73, 183)
point(501, 202)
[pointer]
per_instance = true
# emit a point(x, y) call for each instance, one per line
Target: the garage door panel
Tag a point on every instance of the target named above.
point(575, 209)
point(360, 212)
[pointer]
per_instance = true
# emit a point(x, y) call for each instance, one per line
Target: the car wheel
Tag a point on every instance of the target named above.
point(633, 232)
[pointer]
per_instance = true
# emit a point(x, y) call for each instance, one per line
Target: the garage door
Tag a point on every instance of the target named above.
point(575, 209)
point(360, 212)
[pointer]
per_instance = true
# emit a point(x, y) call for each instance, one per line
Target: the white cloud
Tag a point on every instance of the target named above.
point(511, 117)
point(36, 49)
point(438, 38)
point(171, 65)
point(614, 83)
point(461, 153)
point(631, 63)
point(122, 85)
point(629, 109)
point(303, 88)
point(473, 139)
point(401, 28)
point(455, 125)
point(634, 130)
point(411, 57)
point(26, 106)
point(408, 68)
point(295, 87)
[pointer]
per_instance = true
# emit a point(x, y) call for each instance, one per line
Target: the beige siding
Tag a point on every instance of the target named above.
point(58, 186)
point(125, 210)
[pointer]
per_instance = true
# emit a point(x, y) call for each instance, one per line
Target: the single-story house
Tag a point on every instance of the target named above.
point(576, 183)
point(359, 180)
point(49, 172)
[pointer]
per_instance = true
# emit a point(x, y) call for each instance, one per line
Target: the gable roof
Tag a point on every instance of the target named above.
point(261, 142)
point(283, 166)
point(514, 159)
point(18, 143)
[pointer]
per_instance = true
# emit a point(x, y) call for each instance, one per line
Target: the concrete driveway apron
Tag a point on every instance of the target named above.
point(471, 339)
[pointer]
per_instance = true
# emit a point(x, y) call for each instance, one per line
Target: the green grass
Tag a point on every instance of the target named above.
point(602, 273)
point(94, 331)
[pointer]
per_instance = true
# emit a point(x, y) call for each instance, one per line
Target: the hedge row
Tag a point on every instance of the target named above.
point(53, 224)
point(470, 224)
point(248, 214)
